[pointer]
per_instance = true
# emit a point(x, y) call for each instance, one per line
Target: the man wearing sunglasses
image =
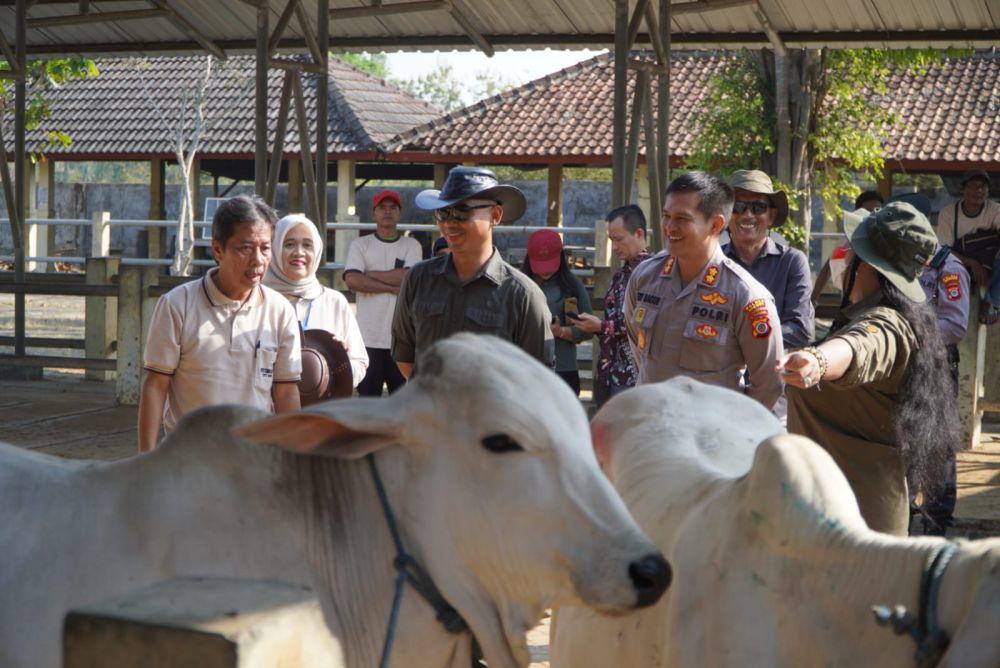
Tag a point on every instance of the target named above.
point(782, 270)
point(470, 289)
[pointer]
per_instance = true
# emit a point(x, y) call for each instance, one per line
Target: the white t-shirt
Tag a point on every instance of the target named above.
point(220, 351)
point(988, 218)
point(330, 311)
point(371, 253)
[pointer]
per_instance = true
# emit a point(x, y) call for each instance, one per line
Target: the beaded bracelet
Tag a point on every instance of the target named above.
point(820, 359)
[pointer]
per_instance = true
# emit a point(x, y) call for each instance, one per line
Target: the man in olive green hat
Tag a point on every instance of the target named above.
point(888, 415)
point(784, 271)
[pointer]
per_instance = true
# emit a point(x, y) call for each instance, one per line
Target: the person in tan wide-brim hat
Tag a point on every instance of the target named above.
point(784, 271)
point(892, 421)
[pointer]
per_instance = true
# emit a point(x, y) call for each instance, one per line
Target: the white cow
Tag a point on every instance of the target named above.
point(774, 565)
point(487, 462)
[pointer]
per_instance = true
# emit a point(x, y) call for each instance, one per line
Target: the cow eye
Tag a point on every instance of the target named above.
point(501, 443)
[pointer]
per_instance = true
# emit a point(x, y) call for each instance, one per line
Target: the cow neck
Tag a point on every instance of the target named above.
point(922, 624)
point(409, 571)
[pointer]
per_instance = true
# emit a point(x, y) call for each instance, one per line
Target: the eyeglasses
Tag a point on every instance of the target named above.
point(459, 212)
point(755, 207)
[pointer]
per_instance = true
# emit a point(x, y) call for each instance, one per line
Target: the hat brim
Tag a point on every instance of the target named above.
point(334, 380)
point(857, 228)
point(548, 266)
point(511, 199)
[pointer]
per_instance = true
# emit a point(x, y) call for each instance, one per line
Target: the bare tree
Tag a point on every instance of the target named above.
point(187, 114)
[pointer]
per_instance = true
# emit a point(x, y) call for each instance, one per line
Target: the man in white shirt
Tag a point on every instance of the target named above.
point(223, 339)
point(971, 226)
point(375, 267)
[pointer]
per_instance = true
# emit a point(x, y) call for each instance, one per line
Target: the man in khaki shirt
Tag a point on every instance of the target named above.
point(692, 311)
point(225, 338)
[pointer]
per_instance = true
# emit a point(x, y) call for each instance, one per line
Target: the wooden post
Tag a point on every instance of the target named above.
point(156, 236)
point(440, 174)
point(618, 195)
point(101, 319)
point(644, 198)
point(971, 374)
point(554, 211)
point(260, 100)
point(635, 120)
point(885, 184)
point(49, 172)
point(294, 204)
point(663, 108)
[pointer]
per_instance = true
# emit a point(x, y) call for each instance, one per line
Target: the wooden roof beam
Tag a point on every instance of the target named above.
point(305, 27)
point(636, 21)
point(378, 9)
point(103, 17)
point(772, 34)
point(190, 30)
point(279, 29)
point(8, 54)
point(699, 6)
point(471, 30)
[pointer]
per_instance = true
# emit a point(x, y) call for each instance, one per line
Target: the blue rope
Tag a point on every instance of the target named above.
point(409, 570)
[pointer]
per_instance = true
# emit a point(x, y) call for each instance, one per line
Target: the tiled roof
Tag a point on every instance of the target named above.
point(948, 113)
point(133, 107)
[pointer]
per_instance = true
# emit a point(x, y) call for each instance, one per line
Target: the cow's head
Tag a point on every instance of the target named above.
point(504, 502)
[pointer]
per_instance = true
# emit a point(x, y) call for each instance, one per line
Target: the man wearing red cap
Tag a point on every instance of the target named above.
point(376, 264)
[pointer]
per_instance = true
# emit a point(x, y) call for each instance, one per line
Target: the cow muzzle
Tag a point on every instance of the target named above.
point(650, 575)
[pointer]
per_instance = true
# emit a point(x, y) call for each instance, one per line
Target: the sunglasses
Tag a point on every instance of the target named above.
point(756, 207)
point(459, 212)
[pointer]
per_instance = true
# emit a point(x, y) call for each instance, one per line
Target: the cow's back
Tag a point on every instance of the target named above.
point(676, 446)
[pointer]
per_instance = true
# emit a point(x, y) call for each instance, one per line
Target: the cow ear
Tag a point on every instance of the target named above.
point(316, 434)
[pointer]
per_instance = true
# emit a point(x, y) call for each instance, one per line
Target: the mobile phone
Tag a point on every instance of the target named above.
point(571, 308)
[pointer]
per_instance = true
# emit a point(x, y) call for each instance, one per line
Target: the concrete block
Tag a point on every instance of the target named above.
point(204, 622)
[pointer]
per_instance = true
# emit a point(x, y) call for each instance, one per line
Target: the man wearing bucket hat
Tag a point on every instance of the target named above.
point(782, 270)
point(888, 416)
point(972, 228)
point(470, 289)
point(691, 311)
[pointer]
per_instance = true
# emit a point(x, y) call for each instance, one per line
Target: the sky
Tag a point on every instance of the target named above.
point(517, 67)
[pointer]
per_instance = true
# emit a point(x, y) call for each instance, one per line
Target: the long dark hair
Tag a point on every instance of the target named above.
point(926, 417)
point(925, 420)
point(564, 277)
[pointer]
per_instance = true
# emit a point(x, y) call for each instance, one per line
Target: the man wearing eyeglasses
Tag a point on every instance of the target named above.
point(782, 270)
point(470, 289)
point(691, 311)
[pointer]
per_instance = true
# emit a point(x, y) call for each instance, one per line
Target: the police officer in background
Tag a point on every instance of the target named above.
point(692, 311)
point(946, 283)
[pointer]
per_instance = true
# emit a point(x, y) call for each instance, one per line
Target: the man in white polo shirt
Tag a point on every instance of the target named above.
point(223, 339)
point(375, 267)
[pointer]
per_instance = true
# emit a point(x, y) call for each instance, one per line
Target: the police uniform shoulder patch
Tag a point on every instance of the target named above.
point(711, 275)
point(952, 286)
point(668, 266)
point(760, 321)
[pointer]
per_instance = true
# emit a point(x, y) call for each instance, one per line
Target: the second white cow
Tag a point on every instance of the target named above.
point(487, 464)
point(774, 564)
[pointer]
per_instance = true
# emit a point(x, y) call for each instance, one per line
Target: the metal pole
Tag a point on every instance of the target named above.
point(260, 154)
point(663, 103)
point(618, 193)
point(322, 112)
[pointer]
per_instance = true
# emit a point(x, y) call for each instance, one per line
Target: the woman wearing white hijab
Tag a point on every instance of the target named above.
point(298, 251)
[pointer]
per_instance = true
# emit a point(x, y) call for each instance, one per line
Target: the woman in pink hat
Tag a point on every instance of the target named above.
point(566, 297)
